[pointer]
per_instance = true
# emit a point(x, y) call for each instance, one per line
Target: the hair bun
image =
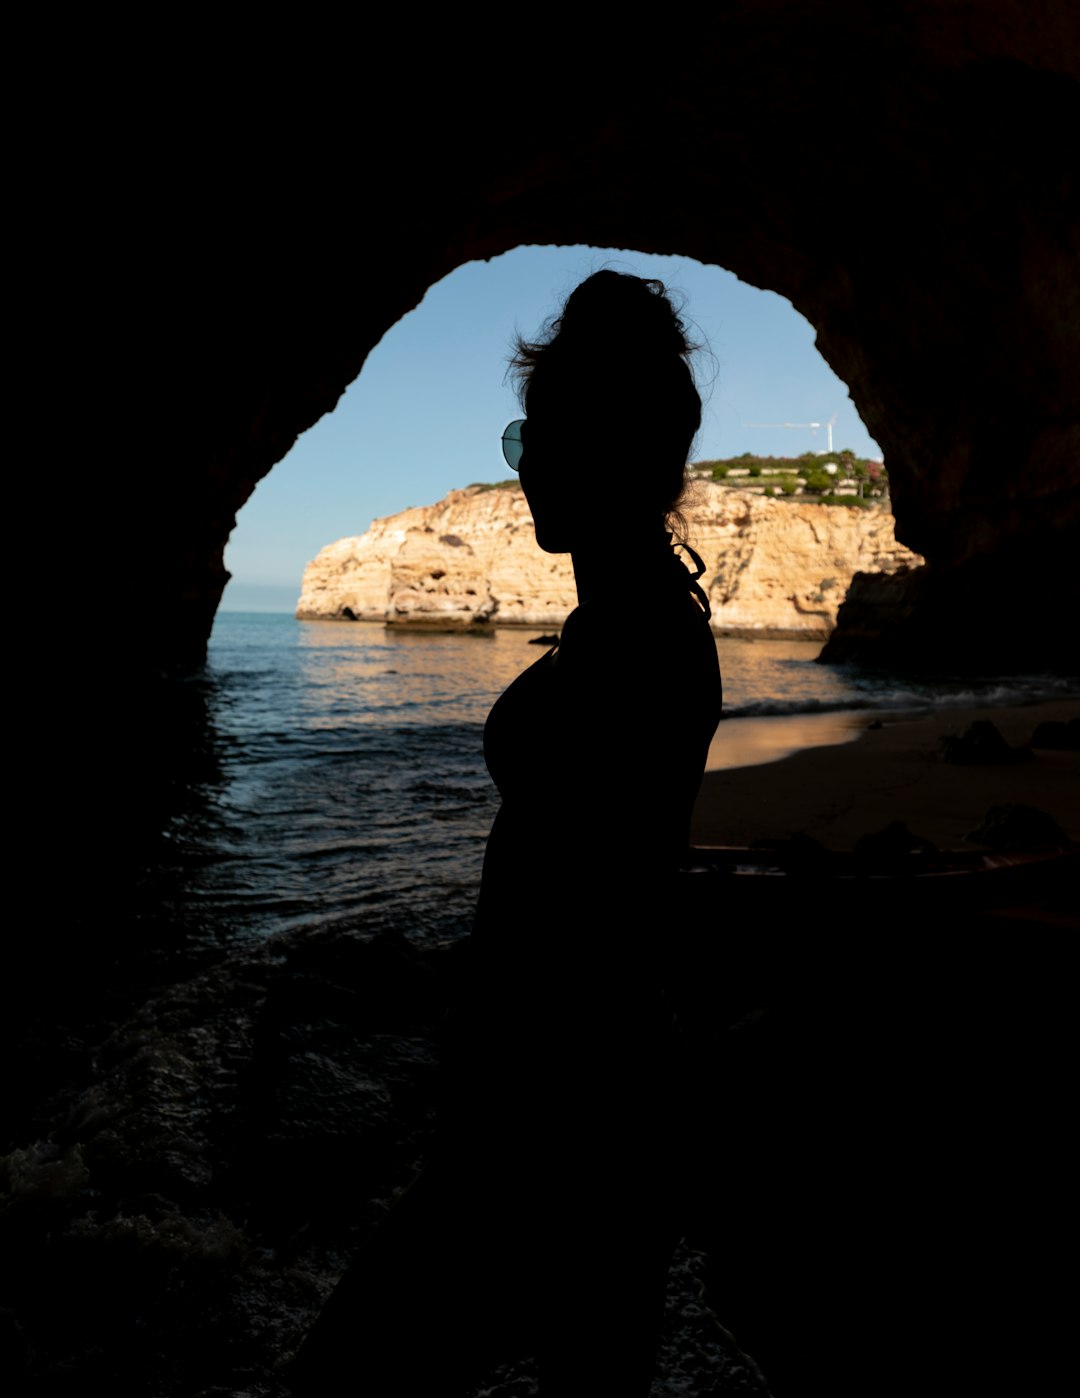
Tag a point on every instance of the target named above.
point(614, 309)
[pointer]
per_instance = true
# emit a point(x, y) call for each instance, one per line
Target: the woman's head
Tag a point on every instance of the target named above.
point(607, 392)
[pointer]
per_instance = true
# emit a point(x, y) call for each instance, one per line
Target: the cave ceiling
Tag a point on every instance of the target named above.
point(901, 173)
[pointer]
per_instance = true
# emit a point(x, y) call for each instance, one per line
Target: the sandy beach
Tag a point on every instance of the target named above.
point(895, 772)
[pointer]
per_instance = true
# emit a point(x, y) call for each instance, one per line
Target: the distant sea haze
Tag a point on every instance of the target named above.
point(346, 781)
point(259, 597)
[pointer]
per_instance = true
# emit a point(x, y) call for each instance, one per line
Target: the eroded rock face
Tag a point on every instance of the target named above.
point(941, 620)
point(469, 560)
point(772, 567)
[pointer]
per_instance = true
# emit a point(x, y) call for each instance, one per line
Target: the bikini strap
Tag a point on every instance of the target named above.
point(699, 568)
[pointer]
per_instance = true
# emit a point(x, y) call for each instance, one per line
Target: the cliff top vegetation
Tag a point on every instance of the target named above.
point(494, 485)
point(833, 477)
point(852, 480)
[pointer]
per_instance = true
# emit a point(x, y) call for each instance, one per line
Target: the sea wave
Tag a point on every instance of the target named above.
point(926, 696)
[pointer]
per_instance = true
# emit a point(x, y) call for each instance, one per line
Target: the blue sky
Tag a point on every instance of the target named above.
point(426, 414)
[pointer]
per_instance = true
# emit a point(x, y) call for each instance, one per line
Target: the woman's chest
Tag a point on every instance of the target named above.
point(525, 732)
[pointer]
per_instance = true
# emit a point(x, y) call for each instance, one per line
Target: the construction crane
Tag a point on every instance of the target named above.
point(815, 425)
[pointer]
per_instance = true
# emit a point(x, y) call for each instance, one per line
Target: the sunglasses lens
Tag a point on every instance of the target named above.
point(512, 445)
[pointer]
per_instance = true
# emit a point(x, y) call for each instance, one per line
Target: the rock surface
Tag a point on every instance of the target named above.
point(180, 1211)
point(940, 270)
point(772, 567)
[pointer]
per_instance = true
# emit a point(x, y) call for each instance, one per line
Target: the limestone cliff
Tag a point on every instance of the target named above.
point(772, 567)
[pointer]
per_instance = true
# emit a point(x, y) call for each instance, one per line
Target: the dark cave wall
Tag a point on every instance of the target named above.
point(898, 172)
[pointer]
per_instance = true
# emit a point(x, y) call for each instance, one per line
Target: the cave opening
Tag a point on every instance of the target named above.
point(422, 419)
point(424, 414)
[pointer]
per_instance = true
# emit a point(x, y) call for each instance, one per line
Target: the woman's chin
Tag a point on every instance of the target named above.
point(552, 541)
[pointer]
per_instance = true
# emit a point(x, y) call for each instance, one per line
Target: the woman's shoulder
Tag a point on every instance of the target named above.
point(594, 630)
point(586, 623)
point(641, 616)
point(648, 635)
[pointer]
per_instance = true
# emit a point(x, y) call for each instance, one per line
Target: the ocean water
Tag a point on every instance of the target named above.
point(215, 1123)
point(349, 786)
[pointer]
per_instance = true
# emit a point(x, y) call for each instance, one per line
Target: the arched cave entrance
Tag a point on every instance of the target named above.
point(896, 175)
point(422, 418)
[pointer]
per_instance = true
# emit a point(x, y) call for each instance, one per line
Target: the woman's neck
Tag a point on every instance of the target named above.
point(592, 560)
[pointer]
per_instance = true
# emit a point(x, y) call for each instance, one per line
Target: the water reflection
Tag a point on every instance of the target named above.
point(364, 674)
point(349, 781)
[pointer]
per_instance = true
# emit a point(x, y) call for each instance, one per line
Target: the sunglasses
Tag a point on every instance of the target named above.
point(512, 445)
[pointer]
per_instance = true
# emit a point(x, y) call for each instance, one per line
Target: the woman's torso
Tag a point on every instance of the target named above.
point(598, 751)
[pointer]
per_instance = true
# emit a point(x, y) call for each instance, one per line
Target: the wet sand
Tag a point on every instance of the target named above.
point(838, 792)
point(749, 742)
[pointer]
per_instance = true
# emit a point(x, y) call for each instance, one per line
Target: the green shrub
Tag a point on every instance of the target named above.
point(851, 501)
point(720, 470)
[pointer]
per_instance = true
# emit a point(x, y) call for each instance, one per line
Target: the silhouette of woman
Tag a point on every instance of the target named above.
point(545, 1222)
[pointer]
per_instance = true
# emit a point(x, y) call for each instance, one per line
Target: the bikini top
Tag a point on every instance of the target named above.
point(533, 726)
